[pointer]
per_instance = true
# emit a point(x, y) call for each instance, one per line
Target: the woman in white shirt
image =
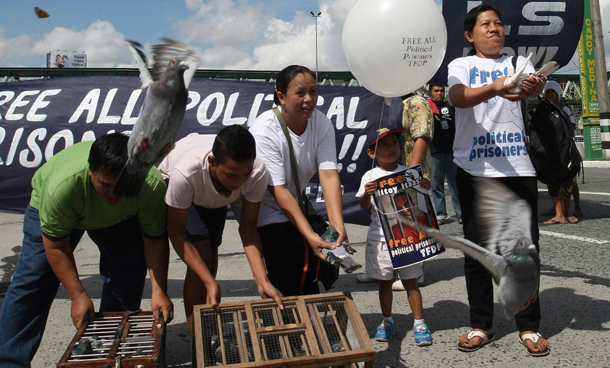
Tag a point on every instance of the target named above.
point(291, 248)
point(490, 142)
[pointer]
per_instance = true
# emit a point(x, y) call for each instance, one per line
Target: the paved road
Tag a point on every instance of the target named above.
point(575, 295)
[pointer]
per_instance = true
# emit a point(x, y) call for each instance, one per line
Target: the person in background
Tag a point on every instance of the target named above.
point(71, 194)
point(441, 151)
point(205, 173)
point(385, 149)
point(552, 91)
point(418, 130)
point(291, 248)
point(485, 107)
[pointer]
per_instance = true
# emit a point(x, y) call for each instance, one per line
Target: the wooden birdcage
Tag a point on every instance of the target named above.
point(117, 339)
point(324, 330)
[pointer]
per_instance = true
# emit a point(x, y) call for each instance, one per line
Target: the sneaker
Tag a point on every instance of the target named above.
point(363, 278)
point(384, 331)
point(440, 222)
point(397, 285)
point(421, 333)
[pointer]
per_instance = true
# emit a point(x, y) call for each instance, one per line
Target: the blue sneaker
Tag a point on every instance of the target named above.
point(384, 331)
point(421, 332)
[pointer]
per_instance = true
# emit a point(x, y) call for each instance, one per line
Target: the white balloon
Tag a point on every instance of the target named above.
point(394, 47)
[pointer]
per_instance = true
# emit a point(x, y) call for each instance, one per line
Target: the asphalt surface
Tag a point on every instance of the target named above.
point(575, 294)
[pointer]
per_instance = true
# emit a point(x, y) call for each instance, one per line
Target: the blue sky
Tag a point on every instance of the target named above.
point(228, 34)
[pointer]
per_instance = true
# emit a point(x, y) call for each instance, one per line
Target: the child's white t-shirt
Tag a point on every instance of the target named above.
point(375, 231)
point(489, 137)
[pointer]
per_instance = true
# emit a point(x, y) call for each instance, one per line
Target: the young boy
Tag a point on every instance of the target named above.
point(386, 150)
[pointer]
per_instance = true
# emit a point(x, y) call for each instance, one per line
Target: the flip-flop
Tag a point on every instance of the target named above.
point(572, 220)
point(553, 222)
point(534, 337)
point(485, 339)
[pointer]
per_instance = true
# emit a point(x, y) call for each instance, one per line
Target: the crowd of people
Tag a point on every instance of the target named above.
point(260, 172)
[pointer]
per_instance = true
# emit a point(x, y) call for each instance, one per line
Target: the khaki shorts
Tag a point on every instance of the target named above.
point(561, 192)
point(379, 264)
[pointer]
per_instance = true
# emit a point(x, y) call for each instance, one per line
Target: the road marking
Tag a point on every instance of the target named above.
point(581, 192)
point(573, 237)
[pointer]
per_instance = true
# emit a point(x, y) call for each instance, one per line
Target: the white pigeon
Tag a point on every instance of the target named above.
point(517, 76)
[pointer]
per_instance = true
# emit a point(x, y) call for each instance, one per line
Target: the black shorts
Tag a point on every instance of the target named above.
point(206, 223)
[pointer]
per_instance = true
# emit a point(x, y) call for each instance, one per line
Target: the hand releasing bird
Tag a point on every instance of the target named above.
point(509, 253)
point(518, 77)
point(156, 129)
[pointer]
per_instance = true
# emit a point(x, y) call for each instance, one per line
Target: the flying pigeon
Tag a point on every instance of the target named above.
point(156, 129)
point(509, 253)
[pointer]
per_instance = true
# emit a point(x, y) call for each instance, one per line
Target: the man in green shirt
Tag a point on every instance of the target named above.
point(72, 193)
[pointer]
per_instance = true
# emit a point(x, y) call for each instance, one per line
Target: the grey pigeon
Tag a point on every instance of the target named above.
point(341, 255)
point(156, 129)
point(509, 254)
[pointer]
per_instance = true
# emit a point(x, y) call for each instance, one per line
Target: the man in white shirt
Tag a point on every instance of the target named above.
point(205, 174)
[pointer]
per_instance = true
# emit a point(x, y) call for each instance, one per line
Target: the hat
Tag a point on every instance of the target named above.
point(554, 86)
point(382, 132)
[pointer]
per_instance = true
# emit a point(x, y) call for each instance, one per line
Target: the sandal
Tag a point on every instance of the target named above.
point(572, 220)
point(534, 337)
point(485, 339)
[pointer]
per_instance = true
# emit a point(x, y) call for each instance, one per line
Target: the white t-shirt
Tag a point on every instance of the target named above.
point(314, 149)
point(189, 172)
point(489, 137)
point(375, 231)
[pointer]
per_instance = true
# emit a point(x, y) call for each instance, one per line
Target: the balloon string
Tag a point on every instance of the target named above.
point(385, 101)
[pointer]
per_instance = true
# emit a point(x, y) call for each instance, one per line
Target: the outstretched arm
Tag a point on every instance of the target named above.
point(331, 187)
point(248, 232)
point(176, 228)
point(61, 258)
point(156, 252)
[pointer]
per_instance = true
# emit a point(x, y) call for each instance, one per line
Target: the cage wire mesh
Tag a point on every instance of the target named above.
point(114, 336)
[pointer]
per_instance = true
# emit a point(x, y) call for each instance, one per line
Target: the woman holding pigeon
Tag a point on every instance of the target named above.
point(489, 142)
point(291, 248)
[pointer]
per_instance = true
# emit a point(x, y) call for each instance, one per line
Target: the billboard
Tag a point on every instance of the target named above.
point(64, 59)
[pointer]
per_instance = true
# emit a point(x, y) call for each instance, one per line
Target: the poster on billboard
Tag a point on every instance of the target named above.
point(64, 59)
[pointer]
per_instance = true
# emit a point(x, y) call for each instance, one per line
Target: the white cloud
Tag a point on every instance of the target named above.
point(223, 22)
point(102, 43)
point(12, 48)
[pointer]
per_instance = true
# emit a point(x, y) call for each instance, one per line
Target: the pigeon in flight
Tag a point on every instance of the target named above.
point(156, 129)
point(508, 254)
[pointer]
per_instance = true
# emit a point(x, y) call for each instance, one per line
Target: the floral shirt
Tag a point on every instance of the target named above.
point(417, 122)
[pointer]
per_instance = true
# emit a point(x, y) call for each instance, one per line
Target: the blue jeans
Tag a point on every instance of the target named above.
point(29, 297)
point(444, 168)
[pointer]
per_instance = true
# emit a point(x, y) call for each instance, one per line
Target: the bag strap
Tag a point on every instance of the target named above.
point(293, 163)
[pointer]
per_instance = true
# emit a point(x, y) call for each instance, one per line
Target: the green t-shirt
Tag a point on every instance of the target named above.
point(66, 200)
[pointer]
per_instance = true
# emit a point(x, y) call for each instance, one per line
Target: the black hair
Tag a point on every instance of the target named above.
point(108, 154)
point(234, 142)
point(286, 76)
point(471, 20)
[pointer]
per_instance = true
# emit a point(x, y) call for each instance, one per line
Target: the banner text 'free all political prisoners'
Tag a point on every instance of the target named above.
point(39, 118)
point(399, 196)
